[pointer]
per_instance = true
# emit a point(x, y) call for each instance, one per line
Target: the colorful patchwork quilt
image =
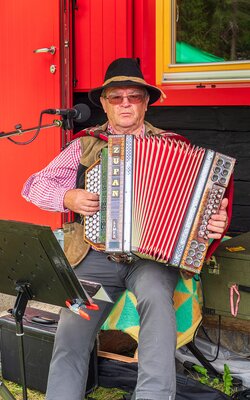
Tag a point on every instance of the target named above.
point(187, 303)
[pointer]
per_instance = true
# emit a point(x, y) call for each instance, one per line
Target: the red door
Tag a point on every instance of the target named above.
point(29, 83)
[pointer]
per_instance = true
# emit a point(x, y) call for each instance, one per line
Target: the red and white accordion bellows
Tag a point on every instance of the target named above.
point(157, 195)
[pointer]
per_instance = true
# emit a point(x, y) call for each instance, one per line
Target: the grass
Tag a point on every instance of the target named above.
point(225, 384)
point(16, 391)
point(107, 394)
point(98, 394)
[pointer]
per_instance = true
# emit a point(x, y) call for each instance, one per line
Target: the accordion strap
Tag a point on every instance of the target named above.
point(98, 132)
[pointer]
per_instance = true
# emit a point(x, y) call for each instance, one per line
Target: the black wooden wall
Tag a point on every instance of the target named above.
point(223, 129)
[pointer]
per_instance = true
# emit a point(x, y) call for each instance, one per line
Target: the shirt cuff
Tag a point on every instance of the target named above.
point(59, 199)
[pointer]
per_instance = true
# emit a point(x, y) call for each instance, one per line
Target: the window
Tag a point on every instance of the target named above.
point(212, 31)
point(203, 40)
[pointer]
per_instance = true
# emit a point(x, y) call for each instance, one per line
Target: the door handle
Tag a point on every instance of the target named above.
point(50, 50)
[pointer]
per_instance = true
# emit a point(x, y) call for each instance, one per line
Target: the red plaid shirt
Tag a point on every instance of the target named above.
point(46, 188)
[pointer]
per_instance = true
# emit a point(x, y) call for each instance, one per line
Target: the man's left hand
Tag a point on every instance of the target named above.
point(218, 222)
point(216, 225)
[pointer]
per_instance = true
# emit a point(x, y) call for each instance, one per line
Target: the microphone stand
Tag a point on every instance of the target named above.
point(19, 131)
point(5, 394)
point(4, 391)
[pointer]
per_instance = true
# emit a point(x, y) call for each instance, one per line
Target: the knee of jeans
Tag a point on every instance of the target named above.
point(154, 297)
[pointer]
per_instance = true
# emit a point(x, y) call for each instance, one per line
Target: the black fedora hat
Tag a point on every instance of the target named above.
point(124, 72)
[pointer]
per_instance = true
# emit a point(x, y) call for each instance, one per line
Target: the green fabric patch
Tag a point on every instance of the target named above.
point(184, 315)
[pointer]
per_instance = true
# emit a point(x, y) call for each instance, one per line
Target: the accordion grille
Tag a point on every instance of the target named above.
point(164, 175)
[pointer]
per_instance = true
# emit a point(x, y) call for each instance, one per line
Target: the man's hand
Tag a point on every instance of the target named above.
point(216, 225)
point(218, 222)
point(82, 202)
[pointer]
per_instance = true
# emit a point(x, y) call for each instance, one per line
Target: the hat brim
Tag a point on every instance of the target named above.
point(95, 94)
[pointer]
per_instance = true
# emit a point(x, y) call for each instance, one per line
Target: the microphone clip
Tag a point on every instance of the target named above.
point(67, 122)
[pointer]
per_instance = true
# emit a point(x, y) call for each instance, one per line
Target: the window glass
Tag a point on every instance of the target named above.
point(212, 31)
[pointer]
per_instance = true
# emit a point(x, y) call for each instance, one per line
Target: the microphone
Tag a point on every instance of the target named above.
point(80, 112)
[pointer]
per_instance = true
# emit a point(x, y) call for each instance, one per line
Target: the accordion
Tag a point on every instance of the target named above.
point(156, 197)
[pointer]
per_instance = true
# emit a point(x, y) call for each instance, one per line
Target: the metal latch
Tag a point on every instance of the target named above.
point(213, 266)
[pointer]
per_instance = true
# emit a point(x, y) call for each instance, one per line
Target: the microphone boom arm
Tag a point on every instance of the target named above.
point(56, 123)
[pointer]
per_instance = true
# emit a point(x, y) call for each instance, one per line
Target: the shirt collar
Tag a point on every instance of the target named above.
point(111, 130)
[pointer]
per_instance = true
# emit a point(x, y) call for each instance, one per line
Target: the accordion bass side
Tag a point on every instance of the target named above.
point(156, 197)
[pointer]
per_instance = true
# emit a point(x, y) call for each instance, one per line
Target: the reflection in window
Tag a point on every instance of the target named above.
point(212, 31)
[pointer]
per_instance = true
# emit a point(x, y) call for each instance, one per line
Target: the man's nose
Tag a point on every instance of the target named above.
point(125, 101)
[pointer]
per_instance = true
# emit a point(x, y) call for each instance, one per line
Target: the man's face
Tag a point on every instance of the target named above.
point(127, 116)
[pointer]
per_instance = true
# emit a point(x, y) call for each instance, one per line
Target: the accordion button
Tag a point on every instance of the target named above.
point(189, 260)
point(201, 234)
point(197, 263)
point(220, 162)
point(202, 247)
point(223, 181)
point(215, 177)
point(227, 164)
point(199, 255)
point(217, 170)
point(191, 252)
point(225, 172)
point(194, 244)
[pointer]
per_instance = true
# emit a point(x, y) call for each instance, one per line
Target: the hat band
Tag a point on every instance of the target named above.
point(124, 78)
point(133, 79)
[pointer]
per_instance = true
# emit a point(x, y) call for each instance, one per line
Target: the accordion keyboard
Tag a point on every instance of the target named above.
point(92, 222)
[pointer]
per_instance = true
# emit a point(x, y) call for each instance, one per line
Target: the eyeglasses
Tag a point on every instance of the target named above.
point(132, 98)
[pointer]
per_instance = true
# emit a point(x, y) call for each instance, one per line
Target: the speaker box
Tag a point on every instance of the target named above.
point(39, 333)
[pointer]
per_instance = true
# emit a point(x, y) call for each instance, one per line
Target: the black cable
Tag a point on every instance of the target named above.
point(35, 135)
point(218, 343)
point(206, 334)
point(219, 329)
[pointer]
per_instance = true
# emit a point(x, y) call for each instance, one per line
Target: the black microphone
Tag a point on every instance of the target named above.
point(80, 112)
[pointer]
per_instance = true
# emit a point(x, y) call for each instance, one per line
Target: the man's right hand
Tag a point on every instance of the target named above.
point(81, 202)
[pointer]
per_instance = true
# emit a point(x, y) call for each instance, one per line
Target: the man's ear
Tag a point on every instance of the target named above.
point(103, 103)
